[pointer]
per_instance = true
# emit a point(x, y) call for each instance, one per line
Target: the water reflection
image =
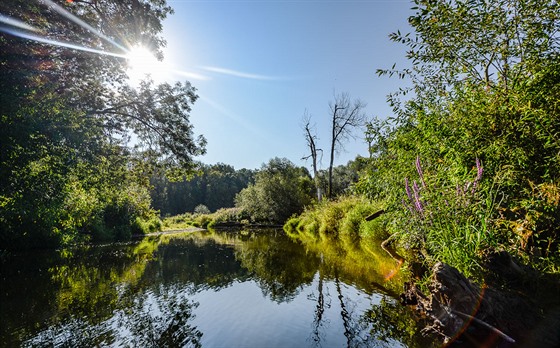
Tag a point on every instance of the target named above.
point(210, 289)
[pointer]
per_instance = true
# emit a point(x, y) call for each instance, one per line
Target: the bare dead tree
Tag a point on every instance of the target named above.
point(311, 138)
point(346, 116)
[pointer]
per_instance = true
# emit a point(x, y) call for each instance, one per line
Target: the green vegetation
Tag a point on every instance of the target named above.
point(280, 190)
point(343, 218)
point(68, 169)
point(214, 186)
point(469, 164)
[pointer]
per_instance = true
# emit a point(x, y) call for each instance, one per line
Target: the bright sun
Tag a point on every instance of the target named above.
point(142, 62)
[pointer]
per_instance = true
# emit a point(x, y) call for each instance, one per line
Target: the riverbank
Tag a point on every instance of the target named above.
point(173, 231)
point(514, 307)
point(506, 303)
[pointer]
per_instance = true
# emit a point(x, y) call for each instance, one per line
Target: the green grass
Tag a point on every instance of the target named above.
point(343, 219)
point(188, 220)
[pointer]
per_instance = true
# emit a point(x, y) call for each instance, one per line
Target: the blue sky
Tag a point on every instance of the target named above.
point(261, 64)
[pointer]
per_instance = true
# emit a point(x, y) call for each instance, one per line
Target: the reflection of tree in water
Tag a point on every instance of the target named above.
point(345, 309)
point(160, 320)
point(56, 287)
point(281, 266)
point(390, 321)
point(318, 321)
point(136, 294)
point(198, 264)
point(346, 317)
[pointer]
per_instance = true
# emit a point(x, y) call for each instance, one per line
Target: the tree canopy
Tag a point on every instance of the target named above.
point(280, 190)
point(78, 142)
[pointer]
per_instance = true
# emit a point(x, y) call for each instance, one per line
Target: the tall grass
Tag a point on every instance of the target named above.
point(342, 219)
point(452, 222)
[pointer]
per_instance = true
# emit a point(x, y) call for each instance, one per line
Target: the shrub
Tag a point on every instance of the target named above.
point(225, 215)
point(201, 209)
point(280, 190)
point(202, 220)
point(451, 221)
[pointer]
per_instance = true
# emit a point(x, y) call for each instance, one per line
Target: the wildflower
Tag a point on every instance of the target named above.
point(407, 188)
point(479, 171)
point(417, 202)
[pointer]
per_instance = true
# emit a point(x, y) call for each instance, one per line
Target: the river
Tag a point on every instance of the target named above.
point(205, 289)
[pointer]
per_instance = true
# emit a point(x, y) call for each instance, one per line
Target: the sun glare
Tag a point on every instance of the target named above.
point(142, 63)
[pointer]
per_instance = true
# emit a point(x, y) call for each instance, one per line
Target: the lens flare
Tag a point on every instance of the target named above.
point(61, 11)
point(241, 74)
point(17, 23)
point(42, 39)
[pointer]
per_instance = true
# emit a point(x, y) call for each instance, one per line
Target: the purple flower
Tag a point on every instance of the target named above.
point(419, 207)
point(415, 189)
point(417, 202)
point(407, 188)
point(479, 169)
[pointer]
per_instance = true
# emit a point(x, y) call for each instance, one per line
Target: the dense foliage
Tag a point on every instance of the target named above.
point(213, 186)
point(68, 170)
point(280, 190)
point(471, 160)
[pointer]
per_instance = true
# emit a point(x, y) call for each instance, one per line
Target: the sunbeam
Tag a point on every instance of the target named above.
point(241, 74)
point(59, 43)
point(141, 62)
point(61, 11)
point(17, 23)
point(226, 112)
point(191, 75)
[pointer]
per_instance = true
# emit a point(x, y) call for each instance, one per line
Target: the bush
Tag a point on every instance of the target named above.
point(201, 209)
point(280, 190)
point(202, 220)
point(143, 226)
point(229, 215)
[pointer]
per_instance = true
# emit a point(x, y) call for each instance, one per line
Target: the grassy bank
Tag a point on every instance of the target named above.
point(222, 216)
point(342, 219)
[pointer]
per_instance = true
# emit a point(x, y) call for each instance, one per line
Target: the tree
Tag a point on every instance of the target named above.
point(494, 44)
point(346, 115)
point(67, 109)
point(280, 190)
point(311, 139)
point(214, 186)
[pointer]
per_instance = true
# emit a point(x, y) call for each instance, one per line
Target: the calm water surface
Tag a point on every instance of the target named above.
point(204, 289)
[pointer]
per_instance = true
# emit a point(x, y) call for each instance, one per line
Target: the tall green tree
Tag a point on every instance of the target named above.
point(65, 112)
point(280, 190)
